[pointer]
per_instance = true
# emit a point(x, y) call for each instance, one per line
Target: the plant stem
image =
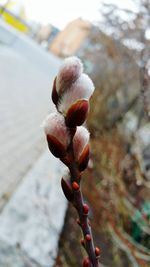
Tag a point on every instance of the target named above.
point(78, 203)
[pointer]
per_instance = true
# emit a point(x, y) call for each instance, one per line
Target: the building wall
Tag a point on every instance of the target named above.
point(69, 41)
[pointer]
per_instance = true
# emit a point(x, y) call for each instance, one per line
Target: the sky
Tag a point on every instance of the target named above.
point(60, 12)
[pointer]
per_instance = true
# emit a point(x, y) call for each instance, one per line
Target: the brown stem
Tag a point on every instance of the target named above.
point(78, 203)
point(144, 89)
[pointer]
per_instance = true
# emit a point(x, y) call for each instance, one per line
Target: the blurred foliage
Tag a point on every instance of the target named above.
point(121, 50)
point(117, 84)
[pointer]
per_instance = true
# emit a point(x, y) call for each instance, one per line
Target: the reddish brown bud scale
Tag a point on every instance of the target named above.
point(86, 262)
point(77, 113)
point(69, 72)
point(97, 252)
point(75, 186)
point(85, 209)
point(88, 238)
point(56, 147)
point(84, 158)
point(55, 96)
point(67, 190)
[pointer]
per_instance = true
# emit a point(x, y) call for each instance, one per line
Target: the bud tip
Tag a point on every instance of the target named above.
point(97, 251)
point(88, 237)
point(86, 262)
point(85, 209)
point(75, 186)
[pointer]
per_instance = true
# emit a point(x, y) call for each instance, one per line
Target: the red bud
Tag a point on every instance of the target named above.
point(66, 187)
point(97, 251)
point(77, 113)
point(55, 96)
point(86, 262)
point(88, 237)
point(75, 186)
point(56, 147)
point(84, 158)
point(85, 209)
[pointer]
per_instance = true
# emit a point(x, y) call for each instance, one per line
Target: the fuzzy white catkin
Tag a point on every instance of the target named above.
point(83, 88)
point(80, 140)
point(69, 72)
point(54, 125)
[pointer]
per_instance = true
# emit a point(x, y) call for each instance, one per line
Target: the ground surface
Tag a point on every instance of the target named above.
point(30, 224)
point(30, 192)
point(25, 82)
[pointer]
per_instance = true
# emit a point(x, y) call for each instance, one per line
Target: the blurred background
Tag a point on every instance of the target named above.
point(113, 40)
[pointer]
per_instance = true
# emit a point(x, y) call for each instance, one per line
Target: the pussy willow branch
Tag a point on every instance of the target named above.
point(69, 141)
point(78, 204)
